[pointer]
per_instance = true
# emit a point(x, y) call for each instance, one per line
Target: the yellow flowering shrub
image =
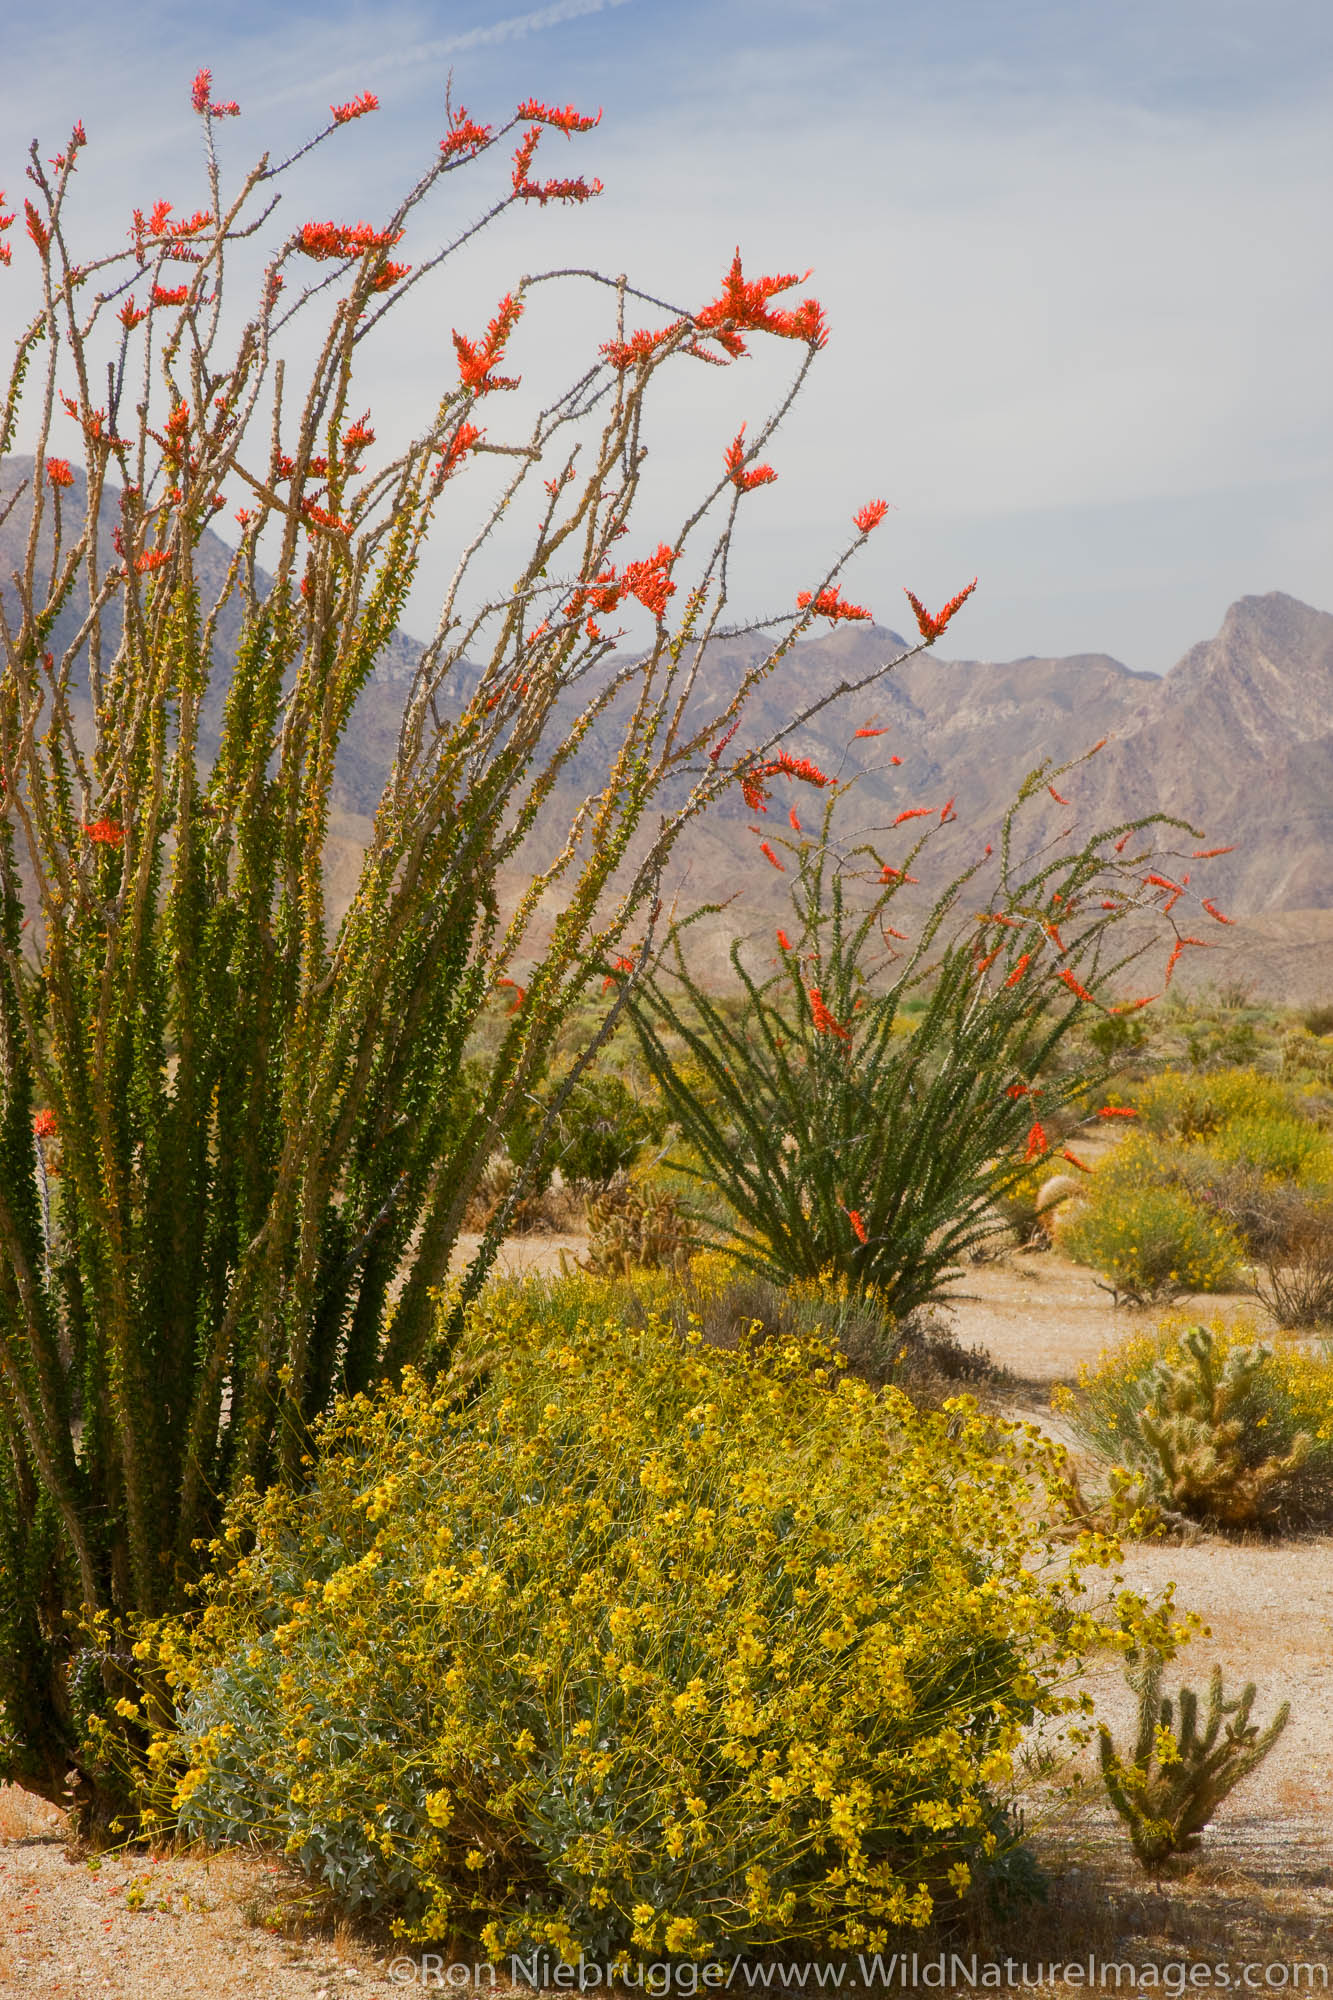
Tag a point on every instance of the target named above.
point(1148, 1237)
point(1287, 1398)
point(1194, 1105)
point(613, 1641)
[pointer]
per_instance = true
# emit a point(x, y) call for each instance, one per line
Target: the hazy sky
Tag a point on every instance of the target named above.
point(1076, 257)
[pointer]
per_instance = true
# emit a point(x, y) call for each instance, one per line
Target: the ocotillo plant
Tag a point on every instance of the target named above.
point(848, 1137)
point(1174, 1783)
point(231, 1127)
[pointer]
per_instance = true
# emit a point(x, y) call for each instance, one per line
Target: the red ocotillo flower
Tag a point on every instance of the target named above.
point(872, 732)
point(1079, 992)
point(43, 1124)
point(931, 627)
point(640, 347)
point(1210, 853)
point(830, 605)
point(868, 517)
point(1215, 913)
point(784, 941)
point(795, 822)
point(465, 136)
point(888, 874)
point(104, 832)
point(742, 307)
point(723, 741)
point(733, 458)
point(1074, 1160)
point(1020, 967)
point(356, 107)
point(771, 857)
point(915, 812)
point(59, 472)
point(1117, 1111)
point(1037, 1142)
point(1056, 796)
point(824, 1021)
point(889, 931)
point(476, 360)
point(567, 121)
point(649, 580)
point(857, 1221)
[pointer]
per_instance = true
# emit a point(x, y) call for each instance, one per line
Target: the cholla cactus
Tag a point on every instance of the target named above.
point(1178, 1777)
point(1195, 1432)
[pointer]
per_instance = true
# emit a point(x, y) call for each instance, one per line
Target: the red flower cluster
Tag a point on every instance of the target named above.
point(200, 92)
point(771, 857)
point(931, 627)
point(858, 1225)
point(640, 347)
point(649, 580)
point(6, 222)
point(733, 458)
point(464, 440)
point(169, 295)
point(1037, 1143)
point(43, 1124)
point(1079, 992)
point(321, 240)
point(356, 107)
point(59, 472)
point(742, 307)
point(1117, 1111)
point(830, 605)
point(475, 361)
point(465, 136)
point(104, 832)
point(37, 229)
point(568, 120)
point(544, 191)
point(784, 765)
point(865, 519)
point(825, 1022)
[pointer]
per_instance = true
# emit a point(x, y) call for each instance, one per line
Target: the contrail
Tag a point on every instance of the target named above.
point(510, 30)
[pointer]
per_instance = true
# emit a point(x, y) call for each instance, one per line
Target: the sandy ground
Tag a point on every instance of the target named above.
point(223, 1926)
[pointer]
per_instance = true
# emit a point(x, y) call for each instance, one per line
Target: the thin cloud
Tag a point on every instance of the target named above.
point(511, 30)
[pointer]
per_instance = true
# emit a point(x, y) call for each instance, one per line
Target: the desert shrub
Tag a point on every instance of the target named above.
point(629, 1643)
point(598, 1132)
point(1149, 1240)
point(1285, 1147)
point(634, 1224)
point(1272, 1398)
point(1318, 1021)
point(1195, 1107)
point(1294, 1278)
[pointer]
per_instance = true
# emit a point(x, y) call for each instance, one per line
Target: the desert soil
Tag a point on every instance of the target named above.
point(137, 1926)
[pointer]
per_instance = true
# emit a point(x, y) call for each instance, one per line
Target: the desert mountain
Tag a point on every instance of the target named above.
point(1237, 738)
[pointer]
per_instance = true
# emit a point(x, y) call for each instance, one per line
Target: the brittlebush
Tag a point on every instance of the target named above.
point(615, 1642)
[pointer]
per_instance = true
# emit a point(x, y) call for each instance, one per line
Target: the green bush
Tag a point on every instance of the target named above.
point(617, 1642)
point(1288, 1148)
point(1285, 1397)
point(1150, 1240)
point(1195, 1107)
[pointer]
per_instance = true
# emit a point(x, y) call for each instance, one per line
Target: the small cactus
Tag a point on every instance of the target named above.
point(1170, 1789)
point(1192, 1431)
